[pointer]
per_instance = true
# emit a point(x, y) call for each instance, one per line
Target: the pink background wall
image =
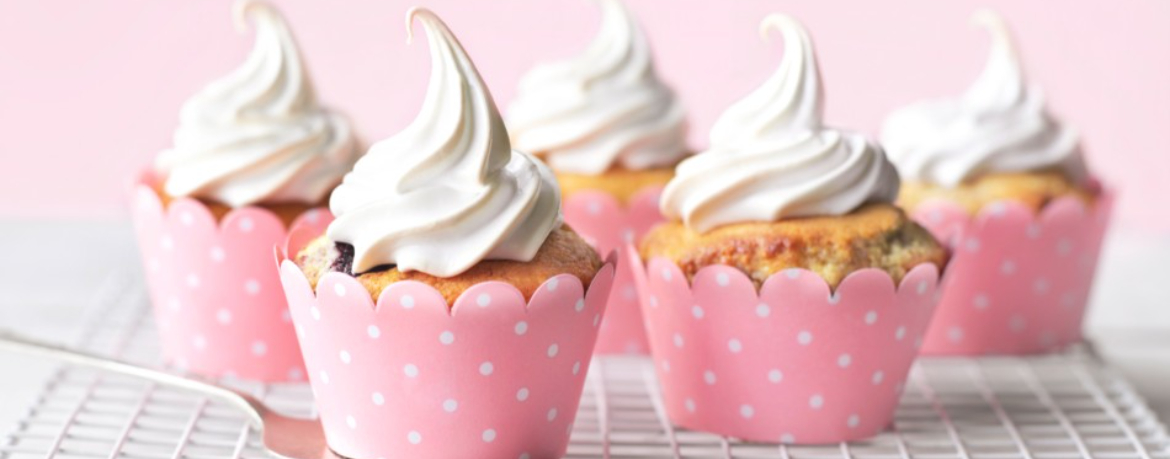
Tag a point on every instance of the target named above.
point(89, 91)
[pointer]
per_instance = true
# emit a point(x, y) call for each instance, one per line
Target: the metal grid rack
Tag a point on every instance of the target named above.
point(1064, 406)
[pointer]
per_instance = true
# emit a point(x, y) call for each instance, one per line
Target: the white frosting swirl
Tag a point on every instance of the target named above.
point(448, 191)
point(601, 109)
point(999, 125)
point(258, 135)
point(771, 158)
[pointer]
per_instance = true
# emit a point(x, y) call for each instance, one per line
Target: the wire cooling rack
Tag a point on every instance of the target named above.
point(1066, 406)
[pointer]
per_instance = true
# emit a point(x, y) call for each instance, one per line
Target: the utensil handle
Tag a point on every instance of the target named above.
point(10, 340)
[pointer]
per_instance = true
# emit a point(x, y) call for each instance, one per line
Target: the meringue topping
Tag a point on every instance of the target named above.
point(771, 157)
point(602, 109)
point(447, 191)
point(259, 135)
point(999, 125)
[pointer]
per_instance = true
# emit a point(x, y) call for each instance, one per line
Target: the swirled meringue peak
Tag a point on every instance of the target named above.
point(258, 135)
point(448, 191)
point(999, 125)
point(602, 109)
point(771, 157)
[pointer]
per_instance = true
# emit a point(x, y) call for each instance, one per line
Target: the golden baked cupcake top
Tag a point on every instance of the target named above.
point(563, 252)
point(1033, 190)
point(448, 191)
point(875, 236)
point(620, 183)
point(287, 212)
point(604, 109)
point(999, 126)
point(258, 135)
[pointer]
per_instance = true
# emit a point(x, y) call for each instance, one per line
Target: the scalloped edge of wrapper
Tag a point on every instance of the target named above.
point(216, 296)
point(407, 376)
point(791, 362)
point(608, 224)
point(1019, 281)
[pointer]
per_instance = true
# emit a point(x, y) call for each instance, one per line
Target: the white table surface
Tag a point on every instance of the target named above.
point(52, 268)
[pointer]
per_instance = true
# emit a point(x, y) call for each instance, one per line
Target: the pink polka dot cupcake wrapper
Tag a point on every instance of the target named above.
point(1019, 282)
point(792, 362)
point(608, 224)
point(216, 294)
point(492, 376)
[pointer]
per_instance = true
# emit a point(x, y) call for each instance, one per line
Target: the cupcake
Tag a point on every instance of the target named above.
point(612, 132)
point(446, 311)
point(784, 297)
point(1004, 183)
point(254, 152)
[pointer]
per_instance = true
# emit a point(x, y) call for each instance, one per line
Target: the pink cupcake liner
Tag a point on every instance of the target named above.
point(791, 363)
point(607, 224)
point(1018, 282)
point(493, 376)
point(216, 293)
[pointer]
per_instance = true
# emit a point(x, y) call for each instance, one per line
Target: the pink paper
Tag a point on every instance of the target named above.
point(217, 299)
point(607, 224)
point(494, 376)
point(1018, 282)
point(792, 363)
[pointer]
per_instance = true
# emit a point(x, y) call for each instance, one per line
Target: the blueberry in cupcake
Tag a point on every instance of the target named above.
point(447, 201)
point(446, 311)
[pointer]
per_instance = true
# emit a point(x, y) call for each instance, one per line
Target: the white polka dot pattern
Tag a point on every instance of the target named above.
point(530, 356)
point(214, 279)
point(777, 343)
point(1015, 290)
point(609, 224)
